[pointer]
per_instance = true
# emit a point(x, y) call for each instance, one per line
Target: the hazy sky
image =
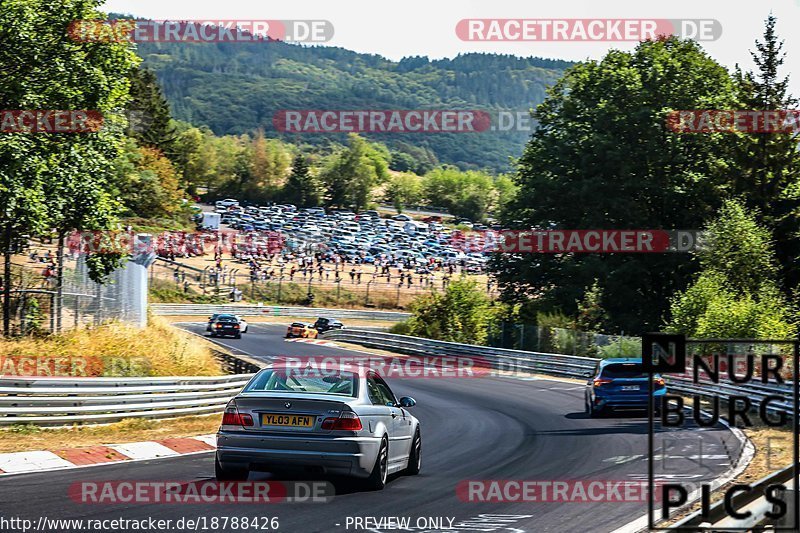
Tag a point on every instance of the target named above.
point(427, 27)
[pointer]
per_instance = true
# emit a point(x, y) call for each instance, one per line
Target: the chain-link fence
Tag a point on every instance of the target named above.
point(37, 305)
point(345, 285)
point(531, 337)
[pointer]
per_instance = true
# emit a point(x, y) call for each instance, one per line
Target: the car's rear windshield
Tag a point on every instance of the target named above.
point(298, 325)
point(295, 380)
point(226, 318)
point(623, 370)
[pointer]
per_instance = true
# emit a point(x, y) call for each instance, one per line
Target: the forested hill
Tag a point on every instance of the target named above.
point(237, 87)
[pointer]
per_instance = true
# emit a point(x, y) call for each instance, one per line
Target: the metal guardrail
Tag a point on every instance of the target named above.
point(66, 401)
point(553, 364)
point(502, 359)
point(274, 310)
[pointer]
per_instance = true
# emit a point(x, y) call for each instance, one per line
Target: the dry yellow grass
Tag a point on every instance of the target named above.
point(112, 350)
point(29, 438)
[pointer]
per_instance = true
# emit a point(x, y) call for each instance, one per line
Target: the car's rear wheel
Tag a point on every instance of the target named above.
point(229, 474)
point(415, 456)
point(380, 471)
point(237, 336)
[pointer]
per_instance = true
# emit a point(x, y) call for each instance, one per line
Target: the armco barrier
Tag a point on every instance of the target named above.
point(501, 359)
point(274, 310)
point(66, 401)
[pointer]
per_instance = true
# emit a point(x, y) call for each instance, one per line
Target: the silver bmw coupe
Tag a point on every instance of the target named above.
point(343, 421)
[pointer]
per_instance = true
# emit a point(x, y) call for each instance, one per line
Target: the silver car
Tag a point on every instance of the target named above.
point(339, 422)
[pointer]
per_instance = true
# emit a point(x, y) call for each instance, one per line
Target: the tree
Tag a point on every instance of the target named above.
point(351, 174)
point(404, 189)
point(767, 173)
point(148, 183)
point(301, 188)
point(270, 164)
point(461, 314)
point(468, 194)
point(736, 293)
point(150, 122)
point(195, 159)
point(66, 176)
point(591, 316)
point(736, 246)
point(602, 158)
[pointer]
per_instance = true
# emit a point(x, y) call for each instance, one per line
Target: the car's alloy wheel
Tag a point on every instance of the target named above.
point(415, 456)
point(380, 471)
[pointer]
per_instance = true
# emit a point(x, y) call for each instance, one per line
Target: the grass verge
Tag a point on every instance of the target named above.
point(113, 349)
point(29, 438)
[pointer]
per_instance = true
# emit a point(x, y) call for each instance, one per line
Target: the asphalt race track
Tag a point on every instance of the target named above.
point(473, 429)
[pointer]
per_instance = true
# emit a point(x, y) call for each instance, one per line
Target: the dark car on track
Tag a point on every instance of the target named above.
point(621, 384)
point(222, 325)
point(326, 324)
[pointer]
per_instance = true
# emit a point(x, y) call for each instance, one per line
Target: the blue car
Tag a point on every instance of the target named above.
point(621, 384)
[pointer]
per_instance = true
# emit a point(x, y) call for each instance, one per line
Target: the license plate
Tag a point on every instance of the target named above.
point(630, 387)
point(294, 421)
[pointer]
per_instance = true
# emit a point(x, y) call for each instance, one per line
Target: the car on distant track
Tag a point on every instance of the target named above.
point(223, 324)
point(302, 330)
point(326, 324)
point(621, 383)
point(343, 421)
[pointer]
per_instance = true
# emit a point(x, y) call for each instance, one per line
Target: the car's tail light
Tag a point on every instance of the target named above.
point(347, 421)
point(236, 326)
point(231, 417)
point(219, 325)
point(599, 382)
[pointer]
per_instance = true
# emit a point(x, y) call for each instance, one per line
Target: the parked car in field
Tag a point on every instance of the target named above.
point(337, 421)
point(301, 330)
point(223, 324)
point(621, 384)
point(326, 324)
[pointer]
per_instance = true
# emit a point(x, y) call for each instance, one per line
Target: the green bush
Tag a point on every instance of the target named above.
point(621, 347)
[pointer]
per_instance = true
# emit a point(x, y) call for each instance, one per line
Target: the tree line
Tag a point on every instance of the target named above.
point(603, 158)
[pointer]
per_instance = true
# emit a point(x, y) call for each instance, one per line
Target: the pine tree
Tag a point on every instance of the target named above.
point(149, 118)
point(768, 176)
point(301, 188)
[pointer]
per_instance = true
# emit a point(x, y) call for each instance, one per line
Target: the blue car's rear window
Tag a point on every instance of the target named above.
point(623, 371)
